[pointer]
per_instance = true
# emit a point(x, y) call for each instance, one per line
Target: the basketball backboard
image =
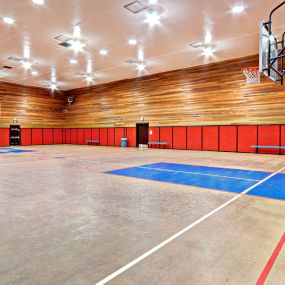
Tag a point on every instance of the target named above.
point(268, 49)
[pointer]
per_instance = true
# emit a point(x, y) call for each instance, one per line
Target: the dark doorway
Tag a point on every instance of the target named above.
point(15, 135)
point(142, 133)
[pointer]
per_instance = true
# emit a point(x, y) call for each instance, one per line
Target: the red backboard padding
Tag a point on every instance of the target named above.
point(247, 137)
point(37, 136)
point(111, 137)
point(119, 133)
point(80, 136)
point(58, 136)
point(132, 137)
point(4, 137)
point(87, 135)
point(211, 138)
point(228, 138)
point(103, 137)
point(153, 135)
point(179, 137)
point(47, 136)
point(269, 136)
point(283, 138)
point(194, 138)
point(166, 136)
point(67, 136)
point(26, 136)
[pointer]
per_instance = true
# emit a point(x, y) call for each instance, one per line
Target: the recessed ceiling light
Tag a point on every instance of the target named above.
point(208, 38)
point(53, 86)
point(9, 20)
point(237, 9)
point(34, 73)
point(141, 67)
point(73, 61)
point(153, 17)
point(133, 42)
point(38, 2)
point(103, 52)
point(208, 52)
point(27, 64)
point(152, 2)
point(77, 45)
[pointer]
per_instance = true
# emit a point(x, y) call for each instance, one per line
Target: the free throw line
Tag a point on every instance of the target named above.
point(183, 231)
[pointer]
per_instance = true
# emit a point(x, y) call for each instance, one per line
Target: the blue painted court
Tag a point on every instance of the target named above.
point(223, 179)
point(13, 150)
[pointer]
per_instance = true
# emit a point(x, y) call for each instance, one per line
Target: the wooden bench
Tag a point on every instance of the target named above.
point(92, 141)
point(157, 143)
point(268, 146)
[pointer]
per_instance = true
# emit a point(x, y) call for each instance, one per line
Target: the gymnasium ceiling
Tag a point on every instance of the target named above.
point(106, 24)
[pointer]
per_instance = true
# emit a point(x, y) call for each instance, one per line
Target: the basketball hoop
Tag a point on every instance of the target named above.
point(252, 75)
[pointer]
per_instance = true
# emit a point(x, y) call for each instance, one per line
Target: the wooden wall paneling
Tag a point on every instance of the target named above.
point(212, 94)
point(32, 107)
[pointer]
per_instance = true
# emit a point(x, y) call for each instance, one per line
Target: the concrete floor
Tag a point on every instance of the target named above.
point(63, 221)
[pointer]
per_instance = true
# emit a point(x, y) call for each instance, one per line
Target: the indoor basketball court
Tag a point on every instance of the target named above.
point(142, 142)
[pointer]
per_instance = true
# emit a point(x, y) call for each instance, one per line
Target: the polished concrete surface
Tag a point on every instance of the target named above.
point(64, 221)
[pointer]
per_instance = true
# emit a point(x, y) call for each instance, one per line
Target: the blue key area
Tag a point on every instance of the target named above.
point(12, 150)
point(224, 179)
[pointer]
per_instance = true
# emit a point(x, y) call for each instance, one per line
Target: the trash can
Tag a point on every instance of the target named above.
point(124, 142)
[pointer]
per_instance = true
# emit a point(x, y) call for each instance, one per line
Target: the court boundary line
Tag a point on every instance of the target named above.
point(181, 232)
point(269, 265)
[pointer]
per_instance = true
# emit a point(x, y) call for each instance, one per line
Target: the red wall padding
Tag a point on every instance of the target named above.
point(132, 137)
point(111, 137)
point(194, 138)
point(283, 138)
point(80, 136)
point(26, 136)
point(119, 133)
point(95, 135)
point(228, 138)
point(211, 138)
point(268, 135)
point(37, 136)
point(247, 136)
point(153, 135)
point(179, 137)
point(103, 137)
point(166, 136)
point(67, 136)
point(73, 135)
point(58, 136)
point(4, 137)
point(87, 135)
point(47, 136)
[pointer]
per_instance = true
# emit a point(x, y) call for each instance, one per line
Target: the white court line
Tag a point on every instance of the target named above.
point(178, 234)
point(167, 170)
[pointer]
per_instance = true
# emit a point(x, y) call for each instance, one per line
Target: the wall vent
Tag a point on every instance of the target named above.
point(197, 45)
point(62, 38)
point(132, 61)
point(7, 67)
point(13, 58)
point(135, 7)
point(65, 44)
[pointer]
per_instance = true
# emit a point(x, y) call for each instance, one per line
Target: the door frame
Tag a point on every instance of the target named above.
point(137, 131)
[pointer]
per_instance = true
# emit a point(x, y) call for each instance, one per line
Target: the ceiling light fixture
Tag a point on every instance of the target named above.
point(89, 78)
point(153, 17)
point(152, 2)
point(53, 86)
point(76, 43)
point(140, 55)
point(26, 64)
point(141, 66)
point(133, 42)
point(237, 9)
point(9, 20)
point(34, 73)
point(208, 38)
point(38, 2)
point(73, 61)
point(103, 52)
point(208, 52)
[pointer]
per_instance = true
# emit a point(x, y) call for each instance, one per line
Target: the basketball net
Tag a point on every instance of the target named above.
point(252, 75)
